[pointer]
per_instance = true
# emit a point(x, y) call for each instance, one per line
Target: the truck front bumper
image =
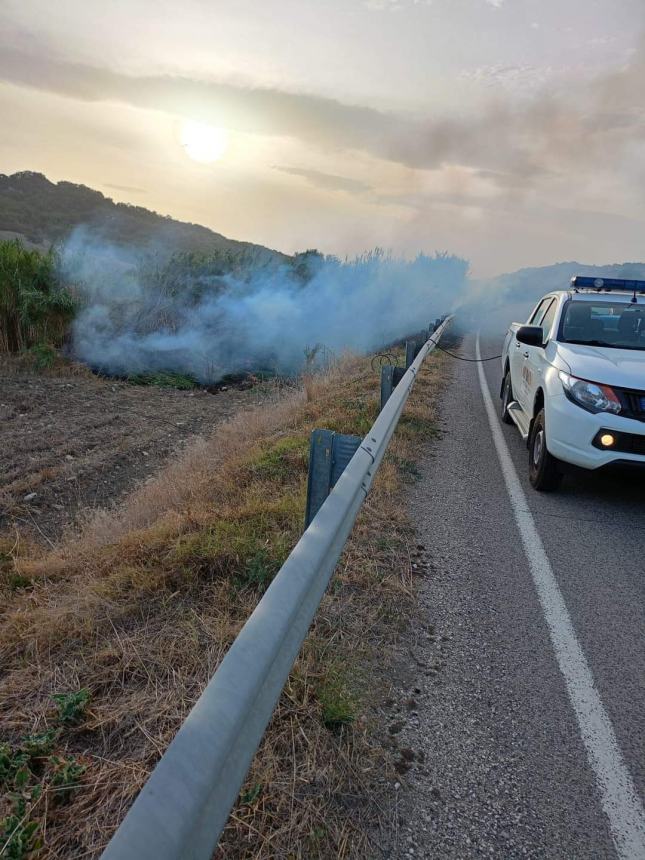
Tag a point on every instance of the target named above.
point(573, 433)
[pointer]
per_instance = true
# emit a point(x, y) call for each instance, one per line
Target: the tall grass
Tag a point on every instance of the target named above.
point(35, 308)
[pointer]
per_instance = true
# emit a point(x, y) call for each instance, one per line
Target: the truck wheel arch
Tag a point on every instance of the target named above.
point(538, 404)
point(507, 370)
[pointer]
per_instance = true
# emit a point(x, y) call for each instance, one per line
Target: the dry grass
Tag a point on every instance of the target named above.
point(141, 607)
point(20, 364)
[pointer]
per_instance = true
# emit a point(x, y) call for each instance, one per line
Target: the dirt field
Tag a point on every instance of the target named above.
point(76, 442)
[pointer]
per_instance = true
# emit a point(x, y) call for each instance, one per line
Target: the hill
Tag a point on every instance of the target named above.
point(530, 284)
point(494, 302)
point(44, 213)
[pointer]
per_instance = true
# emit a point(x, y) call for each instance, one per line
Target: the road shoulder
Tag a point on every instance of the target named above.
point(490, 758)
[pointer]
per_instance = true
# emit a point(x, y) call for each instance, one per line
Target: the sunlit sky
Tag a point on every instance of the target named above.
point(508, 131)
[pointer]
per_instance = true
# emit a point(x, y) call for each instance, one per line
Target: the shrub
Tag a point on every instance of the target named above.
point(43, 355)
point(34, 306)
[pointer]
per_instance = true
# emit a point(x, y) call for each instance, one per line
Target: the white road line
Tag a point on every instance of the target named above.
point(619, 797)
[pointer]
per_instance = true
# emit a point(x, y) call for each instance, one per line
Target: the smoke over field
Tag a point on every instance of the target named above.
point(143, 311)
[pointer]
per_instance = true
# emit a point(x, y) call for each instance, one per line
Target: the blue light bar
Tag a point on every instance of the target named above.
point(581, 282)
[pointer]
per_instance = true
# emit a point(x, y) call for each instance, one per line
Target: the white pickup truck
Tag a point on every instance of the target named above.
point(573, 379)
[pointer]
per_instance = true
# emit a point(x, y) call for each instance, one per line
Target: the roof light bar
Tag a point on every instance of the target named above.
point(581, 282)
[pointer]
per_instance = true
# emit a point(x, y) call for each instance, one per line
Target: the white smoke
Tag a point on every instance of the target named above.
point(264, 317)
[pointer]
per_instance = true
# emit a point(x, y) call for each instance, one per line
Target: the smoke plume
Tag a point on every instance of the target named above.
point(144, 312)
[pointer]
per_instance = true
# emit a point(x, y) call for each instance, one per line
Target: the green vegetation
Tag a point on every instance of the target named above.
point(43, 355)
point(9, 576)
point(16, 581)
point(17, 831)
point(35, 308)
point(165, 379)
point(38, 746)
point(338, 704)
point(251, 795)
point(409, 468)
point(259, 569)
point(71, 706)
point(66, 775)
point(29, 771)
point(278, 460)
point(250, 548)
point(412, 425)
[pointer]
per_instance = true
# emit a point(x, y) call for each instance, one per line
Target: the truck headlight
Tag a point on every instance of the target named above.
point(592, 396)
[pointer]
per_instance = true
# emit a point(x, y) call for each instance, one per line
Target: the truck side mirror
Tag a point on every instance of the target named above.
point(531, 335)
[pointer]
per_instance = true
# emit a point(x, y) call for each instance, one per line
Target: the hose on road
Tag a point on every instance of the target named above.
point(461, 357)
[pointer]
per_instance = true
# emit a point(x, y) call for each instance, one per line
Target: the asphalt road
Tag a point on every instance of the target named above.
point(501, 768)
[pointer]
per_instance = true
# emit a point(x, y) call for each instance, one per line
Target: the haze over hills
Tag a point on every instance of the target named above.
point(531, 283)
point(493, 303)
point(45, 213)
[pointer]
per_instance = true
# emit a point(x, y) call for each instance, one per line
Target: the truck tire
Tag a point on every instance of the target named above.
point(544, 468)
point(507, 398)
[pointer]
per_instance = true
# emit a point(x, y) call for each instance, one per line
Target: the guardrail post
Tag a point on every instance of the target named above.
point(412, 348)
point(329, 454)
point(390, 378)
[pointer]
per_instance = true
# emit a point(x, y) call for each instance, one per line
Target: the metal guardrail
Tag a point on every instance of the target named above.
point(183, 807)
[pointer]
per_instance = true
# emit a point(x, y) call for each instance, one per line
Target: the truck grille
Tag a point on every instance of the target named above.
point(633, 403)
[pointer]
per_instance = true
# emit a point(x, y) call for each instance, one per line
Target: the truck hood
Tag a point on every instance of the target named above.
point(624, 368)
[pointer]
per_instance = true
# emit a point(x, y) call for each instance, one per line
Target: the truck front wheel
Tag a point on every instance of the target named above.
point(544, 469)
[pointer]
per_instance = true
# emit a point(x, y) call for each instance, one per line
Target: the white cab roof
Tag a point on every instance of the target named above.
point(614, 296)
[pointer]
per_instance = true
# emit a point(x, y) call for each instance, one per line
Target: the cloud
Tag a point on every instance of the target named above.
point(520, 144)
point(522, 79)
point(328, 181)
point(255, 110)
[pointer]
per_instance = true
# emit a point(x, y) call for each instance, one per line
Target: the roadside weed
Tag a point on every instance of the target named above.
point(66, 774)
point(71, 706)
point(29, 771)
point(251, 795)
point(338, 703)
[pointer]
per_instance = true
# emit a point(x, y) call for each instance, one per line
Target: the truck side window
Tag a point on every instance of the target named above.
point(535, 317)
point(547, 320)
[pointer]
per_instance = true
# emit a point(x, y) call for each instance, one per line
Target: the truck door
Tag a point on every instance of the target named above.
point(519, 355)
point(534, 360)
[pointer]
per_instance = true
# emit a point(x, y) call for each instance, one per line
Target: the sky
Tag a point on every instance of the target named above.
point(510, 132)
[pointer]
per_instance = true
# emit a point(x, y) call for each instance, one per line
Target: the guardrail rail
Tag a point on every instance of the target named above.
point(183, 807)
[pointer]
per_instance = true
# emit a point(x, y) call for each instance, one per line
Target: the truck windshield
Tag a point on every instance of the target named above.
point(618, 325)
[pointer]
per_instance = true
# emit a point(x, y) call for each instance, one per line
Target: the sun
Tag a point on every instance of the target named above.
point(203, 143)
